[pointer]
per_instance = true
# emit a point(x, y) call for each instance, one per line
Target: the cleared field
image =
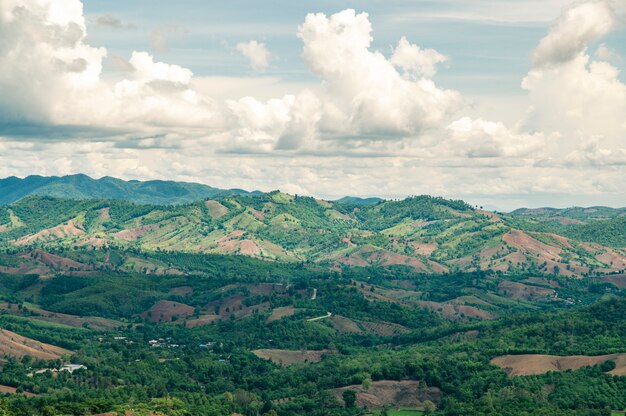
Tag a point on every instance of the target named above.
point(202, 320)
point(289, 357)
point(168, 311)
point(13, 390)
point(344, 325)
point(531, 364)
point(60, 318)
point(14, 345)
point(280, 313)
point(407, 394)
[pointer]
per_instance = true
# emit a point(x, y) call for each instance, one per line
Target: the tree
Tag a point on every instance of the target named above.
point(349, 398)
point(429, 407)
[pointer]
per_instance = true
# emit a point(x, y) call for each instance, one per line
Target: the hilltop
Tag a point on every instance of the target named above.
point(427, 234)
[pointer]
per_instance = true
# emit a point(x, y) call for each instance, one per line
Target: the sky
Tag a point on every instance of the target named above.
point(503, 104)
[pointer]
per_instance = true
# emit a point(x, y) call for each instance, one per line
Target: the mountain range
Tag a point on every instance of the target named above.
point(427, 234)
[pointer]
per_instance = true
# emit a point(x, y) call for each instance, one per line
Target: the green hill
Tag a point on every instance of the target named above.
point(427, 234)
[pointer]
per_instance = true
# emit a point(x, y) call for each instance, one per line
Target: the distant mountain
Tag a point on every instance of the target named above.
point(353, 200)
point(426, 234)
point(568, 216)
point(83, 187)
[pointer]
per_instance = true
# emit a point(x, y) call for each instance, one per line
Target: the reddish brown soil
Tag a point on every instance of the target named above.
point(529, 364)
point(399, 393)
point(344, 325)
point(132, 234)
point(257, 214)
point(385, 329)
point(290, 357)
point(612, 259)
point(216, 210)
point(280, 313)
point(15, 345)
point(456, 312)
point(425, 249)
point(105, 214)
point(618, 280)
point(527, 244)
point(13, 390)
point(165, 310)
point(96, 323)
point(182, 290)
point(69, 229)
point(369, 255)
point(202, 320)
point(516, 290)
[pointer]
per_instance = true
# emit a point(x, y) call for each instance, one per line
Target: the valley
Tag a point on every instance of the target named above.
point(276, 304)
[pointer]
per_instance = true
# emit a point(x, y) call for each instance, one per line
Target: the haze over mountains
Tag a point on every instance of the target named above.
point(83, 187)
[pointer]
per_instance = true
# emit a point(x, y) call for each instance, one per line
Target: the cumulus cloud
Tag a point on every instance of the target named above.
point(363, 92)
point(256, 52)
point(605, 53)
point(480, 138)
point(570, 91)
point(384, 109)
point(577, 26)
point(415, 61)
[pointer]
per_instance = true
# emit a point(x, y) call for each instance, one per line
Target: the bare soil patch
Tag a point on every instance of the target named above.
point(290, 357)
point(280, 313)
point(618, 280)
point(516, 290)
point(530, 364)
point(15, 345)
point(216, 210)
point(13, 390)
point(68, 229)
point(168, 311)
point(132, 234)
point(202, 320)
point(344, 325)
point(456, 312)
point(399, 393)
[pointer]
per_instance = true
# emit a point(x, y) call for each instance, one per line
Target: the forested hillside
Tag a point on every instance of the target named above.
point(430, 235)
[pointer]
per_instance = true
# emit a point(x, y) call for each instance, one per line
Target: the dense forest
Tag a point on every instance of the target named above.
point(171, 365)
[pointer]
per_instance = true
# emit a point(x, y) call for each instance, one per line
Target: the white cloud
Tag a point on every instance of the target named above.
point(372, 125)
point(256, 52)
point(480, 138)
point(416, 62)
point(605, 53)
point(577, 26)
point(568, 90)
point(363, 93)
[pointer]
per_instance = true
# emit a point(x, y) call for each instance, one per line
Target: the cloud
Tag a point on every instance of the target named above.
point(416, 62)
point(487, 139)
point(573, 31)
point(570, 91)
point(605, 53)
point(256, 52)
point(371, 122)
point(108, 20)
point(363, 93)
